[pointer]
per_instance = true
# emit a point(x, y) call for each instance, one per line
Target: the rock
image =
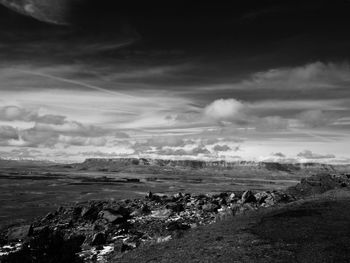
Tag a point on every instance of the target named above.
point(75, 240)
point(98, 239)
point(49, 216)
point(261, 196)
point(145, 209)
point(177, 196)
point(162, 213)
point(19, 233)
point(77, 211)
point(130, 243)
point(136, 213)
point(175, 207)
point(118, 209)
point(269, 201)
point(154, 197)
point(248, 197)
point(222, 201)
point(127, 247)
point(224, 213)
point(111, 217)
point(175, 225)
point(40, 229)
point(163, 239)
point(211, 207)
point(89, 213)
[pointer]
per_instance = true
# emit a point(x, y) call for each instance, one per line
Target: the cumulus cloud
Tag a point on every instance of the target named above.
point(311, 76)
point(12, 113)
point(224, 110)
point(15, 113)
point(221, 148)
point(51, 130)
point(199, 150)
point(307, 154)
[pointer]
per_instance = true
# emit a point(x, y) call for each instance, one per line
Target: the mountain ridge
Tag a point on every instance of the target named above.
point(111, 163)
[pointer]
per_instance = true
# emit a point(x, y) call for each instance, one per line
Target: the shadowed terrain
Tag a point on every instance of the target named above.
point(314, 230)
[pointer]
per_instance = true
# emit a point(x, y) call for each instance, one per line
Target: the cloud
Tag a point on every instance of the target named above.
point(21, 153)
point(160, 142)
point(100, 154)
point(224, 110)
point(8, 133)
point(272, 123)
point(12, 113)
point(176, 152)
point(82, 141)
point(279, 154)
point(199, 150)
point(315, 118)
point(15, 113)
point(221, 148)
point(311, 76)
point(121, 135)
point(307, 154)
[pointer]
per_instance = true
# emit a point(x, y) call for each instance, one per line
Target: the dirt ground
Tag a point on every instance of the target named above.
point(312, 230)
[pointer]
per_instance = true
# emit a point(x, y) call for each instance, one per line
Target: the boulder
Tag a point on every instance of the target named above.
point(89, 213)
point(175, 207)
point(261, 196)
point(210, 207)
point(145, 209)
point(269, 201)
point(19, 233)
point(231, 198)
point(248, 197)
point(161, 213)
point(98, 239)
point(175, 225)
point(113, 218)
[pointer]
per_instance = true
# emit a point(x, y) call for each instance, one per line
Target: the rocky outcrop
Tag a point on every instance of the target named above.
point(320, 183)
point(88, 232)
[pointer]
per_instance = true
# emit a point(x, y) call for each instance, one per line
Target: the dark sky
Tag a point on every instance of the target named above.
point(199, 69)
point(319, 26)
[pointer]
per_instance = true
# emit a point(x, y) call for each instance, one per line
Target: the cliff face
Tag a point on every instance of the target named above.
point(117, 163)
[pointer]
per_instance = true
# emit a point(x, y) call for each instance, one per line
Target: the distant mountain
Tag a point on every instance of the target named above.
point(117, 164)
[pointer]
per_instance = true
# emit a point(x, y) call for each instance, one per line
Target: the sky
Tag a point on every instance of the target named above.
point(254, 80)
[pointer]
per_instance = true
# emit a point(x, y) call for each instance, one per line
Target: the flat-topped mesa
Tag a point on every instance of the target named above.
point(113, 163)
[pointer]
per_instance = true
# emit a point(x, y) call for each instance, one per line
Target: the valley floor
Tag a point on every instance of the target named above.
point(312, 230)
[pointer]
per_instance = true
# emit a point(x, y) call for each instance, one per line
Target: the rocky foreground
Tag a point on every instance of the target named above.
point(97, 230)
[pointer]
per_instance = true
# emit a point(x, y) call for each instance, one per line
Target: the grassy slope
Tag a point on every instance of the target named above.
point(314, 230)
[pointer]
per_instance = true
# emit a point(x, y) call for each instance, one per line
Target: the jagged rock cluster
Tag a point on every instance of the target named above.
point(89, 232)
point(320, 183)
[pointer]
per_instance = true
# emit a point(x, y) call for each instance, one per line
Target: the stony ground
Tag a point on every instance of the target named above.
point(315, 230)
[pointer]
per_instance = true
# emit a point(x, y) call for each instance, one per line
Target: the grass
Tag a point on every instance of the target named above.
point(312, 230)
